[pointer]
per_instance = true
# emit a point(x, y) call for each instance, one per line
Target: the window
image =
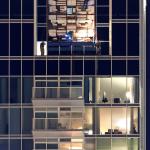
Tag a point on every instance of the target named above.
point(15, 144)
point(89, 67)
point(4, 65)
point(27, 89)
point(104, 143)
point(119, 9)
point(40, 67)
point(102, 14)
point(41, 14)
point(118, 67)
point(27, 9)
point(70, 10)
point(27, 144)
point(52, 67)
point(133, 13)
point(133, 67)
point(15, 9)
point(88, 123)
point(64, 67)
point(15, 90)
point(27, 115)
point(4, 42)
point(3, 90)
point(103, 90)
point(15, 43)
point(133, 39)
point(27, 39)
point(4, 120)
point(4, 144)
point(118, 39)
point(15, 67)
point(104, 67)
point(27, 67)
point(15, 121)
point(41, 33)
point(77, 67)
point(4, 10)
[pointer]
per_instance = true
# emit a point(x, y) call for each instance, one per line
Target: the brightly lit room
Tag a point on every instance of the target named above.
point(111, 121)
point(119, 90)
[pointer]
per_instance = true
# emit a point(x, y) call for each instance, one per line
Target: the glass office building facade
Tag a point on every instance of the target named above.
point(72, 75)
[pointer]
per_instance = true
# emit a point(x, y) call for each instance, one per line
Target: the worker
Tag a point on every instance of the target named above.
point(42, 44)
point(98, 47)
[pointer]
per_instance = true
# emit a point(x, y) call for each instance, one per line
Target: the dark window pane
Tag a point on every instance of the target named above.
point(89, 67)
point(77, 67)
point(15, 144)
point(104, 48)
point(119, 39)
point(41, 33)
point(15, 9)
point(4, 65)
point(133, 39)
point(40, 115)
point(64, 67)
point(40, 146)
point(15, 90)
point(133, 67)
point(27, 116)
point(4, 42)
point(52, 67)
point(15, 121)
point(133, 9)
point(41, 14)
point(27, 144)
point(102, 2)
point(27, 9)
point(15, 67)
point(118, 9)
point(15, 39)
point(4, 9)
point(102, 14)
point(40, 67)
point(4, 144)
point(103, 67)
point(118, 67)
point(27, 39)
point(52, 146)
point(41, 2)
point(3, 121)
point(27, 89)
point(4, 90)
point(27, 67)
point(103, 33)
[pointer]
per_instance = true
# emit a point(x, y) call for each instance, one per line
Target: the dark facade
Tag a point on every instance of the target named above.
point(72, 75)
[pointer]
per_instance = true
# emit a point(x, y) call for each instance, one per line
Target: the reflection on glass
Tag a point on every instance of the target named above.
point(119, 144)
point(119, 120)
point(103, 90)
point(133, 143)
point(76, 93)
point(132, 93)
point(118, 89)
point(132, 120)
point(88, 121)
point(105, 120)
point(39, 124)
point(104, 144)
point(90, 143)
point(76, 124)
